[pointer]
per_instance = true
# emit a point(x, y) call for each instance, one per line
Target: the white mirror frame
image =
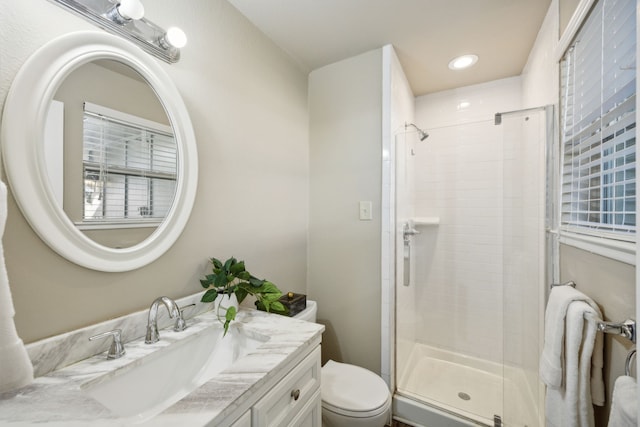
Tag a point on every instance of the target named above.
point(22, 132)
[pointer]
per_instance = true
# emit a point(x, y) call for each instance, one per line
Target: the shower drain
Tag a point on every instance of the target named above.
point(464, 396)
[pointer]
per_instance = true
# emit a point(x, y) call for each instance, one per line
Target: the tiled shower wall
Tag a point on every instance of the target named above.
point(459, 179)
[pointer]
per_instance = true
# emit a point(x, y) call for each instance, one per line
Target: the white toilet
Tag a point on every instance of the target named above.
point(351, 396)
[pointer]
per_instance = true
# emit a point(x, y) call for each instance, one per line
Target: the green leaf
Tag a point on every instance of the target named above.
point(244, 275)
point(216, 263)
point(278, 306)
point(268, 287)
point(241, 294)
point(271, 297)
point(228, 263)
point(209, 296)
point(255, 282)
point(237, 268)
point(229, 316)
point(231, 313)
point(205, 283)
point(220, 280)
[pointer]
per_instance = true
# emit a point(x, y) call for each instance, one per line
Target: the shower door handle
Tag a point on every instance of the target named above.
point(406, 263)
point(407, 232)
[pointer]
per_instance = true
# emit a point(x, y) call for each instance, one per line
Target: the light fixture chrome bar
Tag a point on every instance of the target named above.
point(142, 32)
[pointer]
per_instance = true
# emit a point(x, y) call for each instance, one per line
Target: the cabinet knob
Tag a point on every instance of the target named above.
point(295, 394)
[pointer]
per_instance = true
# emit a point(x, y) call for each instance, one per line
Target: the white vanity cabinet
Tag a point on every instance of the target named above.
point(291, 400)
point(294, 398)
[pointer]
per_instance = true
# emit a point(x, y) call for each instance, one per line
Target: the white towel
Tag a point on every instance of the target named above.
point(624, 410)
point(572, 404)
point(551, 360)
point(16, 369)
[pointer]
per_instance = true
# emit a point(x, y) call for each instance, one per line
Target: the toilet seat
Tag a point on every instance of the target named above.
point(353, 391)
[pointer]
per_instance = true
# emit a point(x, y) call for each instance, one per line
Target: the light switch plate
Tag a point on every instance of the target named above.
point(365, 211)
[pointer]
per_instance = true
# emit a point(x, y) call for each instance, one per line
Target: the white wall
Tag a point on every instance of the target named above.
point(345, 134)
point(248, 103)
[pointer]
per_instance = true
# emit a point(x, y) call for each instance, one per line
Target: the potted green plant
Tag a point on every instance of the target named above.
point(232, 278)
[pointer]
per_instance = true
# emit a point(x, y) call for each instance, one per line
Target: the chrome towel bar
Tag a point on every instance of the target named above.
point(626, 329)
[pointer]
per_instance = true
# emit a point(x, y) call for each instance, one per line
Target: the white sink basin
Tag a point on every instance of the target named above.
point(146, 387)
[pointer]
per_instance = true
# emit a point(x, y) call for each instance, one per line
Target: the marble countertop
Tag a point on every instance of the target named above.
point(58, 399)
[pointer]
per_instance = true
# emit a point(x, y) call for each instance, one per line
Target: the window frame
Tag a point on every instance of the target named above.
point(134, 121)
point(613, 245)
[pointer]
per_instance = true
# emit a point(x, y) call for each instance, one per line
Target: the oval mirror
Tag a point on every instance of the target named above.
point(105, 178)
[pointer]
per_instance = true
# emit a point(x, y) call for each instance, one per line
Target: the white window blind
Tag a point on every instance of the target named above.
point(129, 168)
point(598, 89)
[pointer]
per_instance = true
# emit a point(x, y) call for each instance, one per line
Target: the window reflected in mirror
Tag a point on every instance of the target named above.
point(118, 174)
point(129, 168)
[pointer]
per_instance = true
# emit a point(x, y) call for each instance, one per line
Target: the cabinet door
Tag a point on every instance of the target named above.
point(278, 407)
point(311, 414)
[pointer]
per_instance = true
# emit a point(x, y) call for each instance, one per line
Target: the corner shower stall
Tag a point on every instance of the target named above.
point(471, 267)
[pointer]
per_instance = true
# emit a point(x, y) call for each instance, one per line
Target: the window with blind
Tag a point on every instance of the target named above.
point(129, 167)
point(598, 122)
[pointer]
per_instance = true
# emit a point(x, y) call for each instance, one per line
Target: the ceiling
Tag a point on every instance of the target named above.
point(426, 34)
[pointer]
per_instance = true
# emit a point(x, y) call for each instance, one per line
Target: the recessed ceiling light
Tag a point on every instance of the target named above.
point(462, 62)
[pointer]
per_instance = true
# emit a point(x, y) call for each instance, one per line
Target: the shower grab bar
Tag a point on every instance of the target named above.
point(627, 362)
point(569, 283)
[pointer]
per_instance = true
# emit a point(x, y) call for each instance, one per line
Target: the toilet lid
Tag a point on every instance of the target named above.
point(352, 389)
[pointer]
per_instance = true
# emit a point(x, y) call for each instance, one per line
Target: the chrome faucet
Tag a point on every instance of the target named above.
point(152, 323)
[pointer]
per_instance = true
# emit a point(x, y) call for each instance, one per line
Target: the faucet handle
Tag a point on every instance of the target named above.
point(117, 349)
point(181, 324)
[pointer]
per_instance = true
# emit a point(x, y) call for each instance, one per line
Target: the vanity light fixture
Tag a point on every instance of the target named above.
point(125, 18)
point(462, 62)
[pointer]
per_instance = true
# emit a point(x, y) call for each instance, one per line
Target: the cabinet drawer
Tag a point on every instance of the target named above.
point(290, 395)
point(311, 414)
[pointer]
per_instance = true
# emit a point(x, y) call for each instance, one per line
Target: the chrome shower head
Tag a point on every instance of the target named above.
point(421, 134)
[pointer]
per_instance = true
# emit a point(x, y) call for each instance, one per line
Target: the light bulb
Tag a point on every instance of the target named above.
point(176, 37)
point(131, 9)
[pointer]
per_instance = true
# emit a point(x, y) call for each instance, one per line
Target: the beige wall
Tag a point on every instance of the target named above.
point(612, 285)
point(345, 109)
point(567, 7)
point(248, 103)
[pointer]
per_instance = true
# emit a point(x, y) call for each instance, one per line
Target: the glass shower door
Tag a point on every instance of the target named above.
point(525, 135)
point(449, 320)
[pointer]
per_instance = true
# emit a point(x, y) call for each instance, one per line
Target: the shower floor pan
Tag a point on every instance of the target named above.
point(468, 387)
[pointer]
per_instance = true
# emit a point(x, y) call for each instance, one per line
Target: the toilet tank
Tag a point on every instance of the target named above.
point(310, 313)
